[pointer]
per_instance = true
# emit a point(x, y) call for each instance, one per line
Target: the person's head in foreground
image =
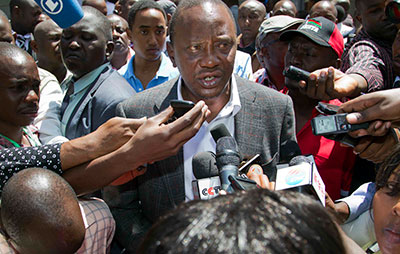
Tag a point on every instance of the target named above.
point(256, 221)
point(40, 213)
point(386, 204)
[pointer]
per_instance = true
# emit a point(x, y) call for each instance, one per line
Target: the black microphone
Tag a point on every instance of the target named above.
point(207, 184)
point(289, 150)
point(219, 131)
point(301, 176)
point(228, 160)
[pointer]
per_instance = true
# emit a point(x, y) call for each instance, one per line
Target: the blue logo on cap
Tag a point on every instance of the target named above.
point(295, 176)
point(52, 7)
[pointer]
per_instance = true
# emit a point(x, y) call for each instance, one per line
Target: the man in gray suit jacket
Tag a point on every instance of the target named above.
point(95, 88)
point(260, 119)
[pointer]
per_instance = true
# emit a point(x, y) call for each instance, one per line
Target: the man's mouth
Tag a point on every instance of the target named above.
point(392, 236)
point(209, 81)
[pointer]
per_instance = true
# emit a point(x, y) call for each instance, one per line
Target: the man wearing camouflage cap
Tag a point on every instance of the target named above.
point(271, 51)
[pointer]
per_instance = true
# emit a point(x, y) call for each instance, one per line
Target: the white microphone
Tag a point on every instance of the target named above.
point(301, 176)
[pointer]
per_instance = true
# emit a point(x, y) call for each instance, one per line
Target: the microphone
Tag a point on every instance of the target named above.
point(64, 12)
point(301, 176)
point(207, 184)
point(228, 160)
point(289, 150)
point(219, 131)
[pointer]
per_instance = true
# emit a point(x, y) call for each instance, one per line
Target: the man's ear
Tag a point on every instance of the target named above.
point(16, 11)
point(129, 33)
point(171, 53)
point(34, 46)
point(109, 49)
point(169, 16)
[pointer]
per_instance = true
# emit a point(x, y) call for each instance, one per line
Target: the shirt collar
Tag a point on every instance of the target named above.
point(162, 70)
point(88, 78)
point(233, 106)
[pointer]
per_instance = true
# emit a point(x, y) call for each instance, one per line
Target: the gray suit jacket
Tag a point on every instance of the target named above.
point(264, 124)
point(98, 104)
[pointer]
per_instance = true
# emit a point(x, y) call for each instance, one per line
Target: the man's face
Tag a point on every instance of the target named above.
point(148, 34)
point(250, 18)
point(5, 31)
point(48, 45)
point(273, 50)
point(19, 91)
point(386, 209)
point(123, 9)
point(120, 33)
point(84, 46)
point(307, 55)
point(374, 20)
point(28, 16)
point(204, 50)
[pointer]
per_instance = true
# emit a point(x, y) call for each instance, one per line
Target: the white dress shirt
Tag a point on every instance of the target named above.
point(203, 140)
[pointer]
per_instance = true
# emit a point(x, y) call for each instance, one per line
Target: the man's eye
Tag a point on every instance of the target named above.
point(194, 48)
point(392, 189)
point(144, 32)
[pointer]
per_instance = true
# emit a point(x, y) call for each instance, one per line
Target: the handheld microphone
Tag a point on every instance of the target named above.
point(207, 184)
point(219, 131)
point(64, 12)
point(301, 176)
point(228, 160)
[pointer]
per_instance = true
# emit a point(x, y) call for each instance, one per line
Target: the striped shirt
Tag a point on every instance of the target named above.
point(370, 58)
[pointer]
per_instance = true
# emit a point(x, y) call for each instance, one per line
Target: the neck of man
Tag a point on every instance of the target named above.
point(57, 69)
point(303, 107)
point(246, 41)
point(11, 131)
point(18, 29)
point(120, 58)
point(276, 76)
point(215, 104)
point(145, 70)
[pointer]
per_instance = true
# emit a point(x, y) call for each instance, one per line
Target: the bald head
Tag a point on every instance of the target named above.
point(5, 29)
point(188, 4)
point(324, 9)
point(25, 15)
point(250, 16)
point(44, 28)
point(100, 5)
point(285, 7)
point(11, 53)
point(253, 5)
point(47, 36)
point(41, 214)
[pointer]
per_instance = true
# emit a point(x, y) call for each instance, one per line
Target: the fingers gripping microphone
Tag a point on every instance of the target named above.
point(228, 160)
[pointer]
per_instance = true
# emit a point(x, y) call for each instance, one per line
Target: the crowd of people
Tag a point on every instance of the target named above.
point(92, 159)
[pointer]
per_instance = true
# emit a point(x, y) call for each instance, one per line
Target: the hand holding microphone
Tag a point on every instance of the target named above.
point(256, 174)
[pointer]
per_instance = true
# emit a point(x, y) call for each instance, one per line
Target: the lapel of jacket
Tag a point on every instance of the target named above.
point(76, 115)
point(173, 163)
point(243, 117)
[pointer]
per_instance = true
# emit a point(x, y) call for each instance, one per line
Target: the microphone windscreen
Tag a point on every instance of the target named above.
point(289, 150)
point(204, 165)
point(299, 160)
point(227, 152)
point(219, 131)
